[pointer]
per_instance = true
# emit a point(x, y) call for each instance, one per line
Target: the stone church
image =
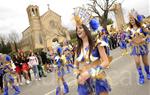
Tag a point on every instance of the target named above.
point(43, 29)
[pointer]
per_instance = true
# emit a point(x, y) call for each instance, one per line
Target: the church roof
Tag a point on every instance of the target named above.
point(49, 12)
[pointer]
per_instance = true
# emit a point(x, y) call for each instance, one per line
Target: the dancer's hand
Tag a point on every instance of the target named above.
point(76, 71)
point(83, 77)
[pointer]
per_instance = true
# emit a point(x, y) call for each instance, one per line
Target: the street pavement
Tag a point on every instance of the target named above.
point(122, 76)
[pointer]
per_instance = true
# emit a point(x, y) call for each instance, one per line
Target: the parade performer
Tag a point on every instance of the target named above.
point(1, 74)
point(59, 66)
point(104, 37)
point(8, 77)
point(67, 55)
point(139, 47)
point(122, 42)
point(91, 74)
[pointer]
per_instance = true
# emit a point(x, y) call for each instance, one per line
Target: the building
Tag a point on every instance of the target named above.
point(117, 9)
point(42, 29)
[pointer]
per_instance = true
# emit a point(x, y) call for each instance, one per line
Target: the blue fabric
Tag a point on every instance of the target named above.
point(59, 63)
point(86, 88)
point(148, 40)
point(94, 24)
point(123, 44)
point(66, 88)
point(105, 38)
point(140, 70)
point(8, 58)
point(58, 91)
point(6, 90)
point(1, 72)
point(95, 52)
point(35, 71)
point(147, 69)
point(139, 50)
point(61, 72)
point(141, 76)
point(17, 90)
point(102, 86)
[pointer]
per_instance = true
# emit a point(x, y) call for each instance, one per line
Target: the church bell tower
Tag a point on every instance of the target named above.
point(35, 26)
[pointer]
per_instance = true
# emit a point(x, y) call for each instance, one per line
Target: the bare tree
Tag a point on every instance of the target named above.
point(4, 44)
point(101, 9)
point(14, 39)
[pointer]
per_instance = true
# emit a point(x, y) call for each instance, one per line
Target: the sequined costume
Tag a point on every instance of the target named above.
point(123, 43)
point(8, 78)
point(141, 48)
point(68, 58)
point(92, 85)
point(59, 70)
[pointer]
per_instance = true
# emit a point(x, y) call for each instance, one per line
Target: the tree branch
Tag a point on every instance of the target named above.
point(95, 1)
point(93, 9)
point(112, 3)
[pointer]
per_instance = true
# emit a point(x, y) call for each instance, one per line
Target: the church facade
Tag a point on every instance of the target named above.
point(43, 29)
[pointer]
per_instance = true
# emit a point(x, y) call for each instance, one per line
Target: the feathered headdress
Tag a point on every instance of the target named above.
point(134, 14)
point(84, 16)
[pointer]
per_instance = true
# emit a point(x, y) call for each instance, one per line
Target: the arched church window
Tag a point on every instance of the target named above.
point(33, 13)
point(36, 11)
point(52, 23)
point(40, 39)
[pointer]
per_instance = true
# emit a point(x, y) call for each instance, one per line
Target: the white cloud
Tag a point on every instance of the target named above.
point(13, 14)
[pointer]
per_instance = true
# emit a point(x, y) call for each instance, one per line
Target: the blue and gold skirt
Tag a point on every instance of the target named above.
point(86, 88)
point(102, 86)
point(123, 44)
point(138, 50)
point(94, 86)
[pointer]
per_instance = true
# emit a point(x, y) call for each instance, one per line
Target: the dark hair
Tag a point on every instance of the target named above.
point(90, 40)
point(55, 40)
point(136, 22)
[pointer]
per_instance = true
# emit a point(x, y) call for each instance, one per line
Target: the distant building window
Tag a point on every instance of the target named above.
point(36, 11)
point(40, 39)
point(33, 13)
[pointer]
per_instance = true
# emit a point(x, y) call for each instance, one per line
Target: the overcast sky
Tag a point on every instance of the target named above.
point(13, 15)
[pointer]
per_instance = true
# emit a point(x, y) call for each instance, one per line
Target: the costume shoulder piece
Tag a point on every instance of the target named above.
point(101, 43)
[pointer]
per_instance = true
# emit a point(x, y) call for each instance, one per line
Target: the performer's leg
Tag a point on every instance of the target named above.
point(66, 88)
point(26, 75)
point(5, 90)
point(139, 69)
point(16, 88)
point(5, 86)
point(146, 66)
point(104, 93)
point(68, 69)
point(58, 89)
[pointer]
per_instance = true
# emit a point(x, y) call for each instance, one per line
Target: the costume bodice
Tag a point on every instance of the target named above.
point(84, 56)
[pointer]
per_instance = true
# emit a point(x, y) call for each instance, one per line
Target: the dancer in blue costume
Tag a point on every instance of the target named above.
point(8, 78)
point(58, 64)
point(88, 52)
point(104, 37)
point(122, 42)
point(139, 46)
point(1, 74)
point(90, 60)
point(67, 48)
